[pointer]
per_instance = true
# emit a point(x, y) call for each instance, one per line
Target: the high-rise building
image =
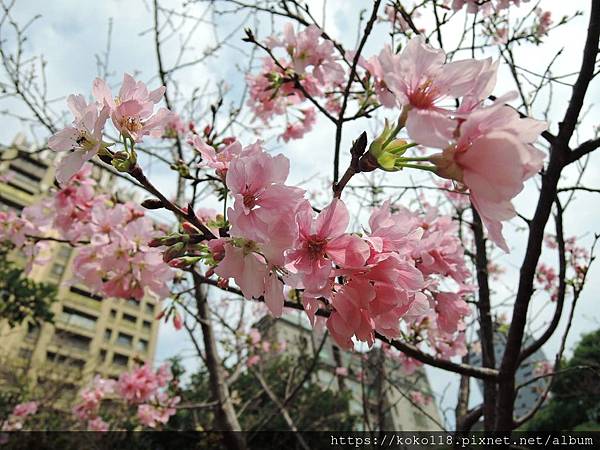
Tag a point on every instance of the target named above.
point(90, 334)
point(383, 396)
point(527, 397)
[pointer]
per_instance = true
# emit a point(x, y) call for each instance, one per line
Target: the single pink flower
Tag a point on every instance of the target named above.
point(82, 140)
point(323, 241)
point(420, 79)
point(132, 111)
point(97, 424)
point(493, 157)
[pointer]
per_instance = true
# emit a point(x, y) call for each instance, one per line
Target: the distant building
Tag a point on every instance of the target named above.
point(381, 391)
point(527, 396)
point(91, 335)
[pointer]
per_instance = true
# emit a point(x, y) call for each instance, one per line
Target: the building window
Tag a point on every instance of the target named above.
point(64, 253)
point(33, 331)
point(124, 340)
point(107, 334)
point(149, 309)
point(84, 293)
point(113, 314)
point(120, 360)
point(77, 318)
point(147, 326)
point(133, 303)
point(142, 345)
point(102, 356)
point(57, 270)
point(64, 338)
point(129, 318)
point(64, 360)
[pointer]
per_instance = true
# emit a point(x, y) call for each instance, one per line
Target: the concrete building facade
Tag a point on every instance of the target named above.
point(380, 389)
point(90, 334)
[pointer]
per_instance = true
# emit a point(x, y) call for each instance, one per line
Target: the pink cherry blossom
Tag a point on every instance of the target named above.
point(217, 159)
point(544, 21)
point(98, 424)
point(18, 416)
point(419, 78)
point(151, 415)
point(82, 140)
point(298, 129)
point(132, 110)
point(25, 409)
point(493, 157)
point(323, 241)
point(488, 7)
point(256, 182)
point(139, 385)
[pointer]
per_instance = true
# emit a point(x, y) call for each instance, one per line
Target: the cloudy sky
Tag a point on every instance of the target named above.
point(71, 34)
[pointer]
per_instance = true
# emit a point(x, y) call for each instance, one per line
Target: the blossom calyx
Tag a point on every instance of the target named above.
point(124, 161)
point(446, 166)
point(385, 152)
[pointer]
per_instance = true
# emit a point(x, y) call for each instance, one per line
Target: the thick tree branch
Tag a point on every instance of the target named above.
point(558, 159)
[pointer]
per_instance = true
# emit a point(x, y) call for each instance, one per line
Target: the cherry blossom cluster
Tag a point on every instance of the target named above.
point(113, 256)
point(132, 114)
point(407, 266)
point(309, 61)
point(486, 6)
point(16, 229)
point(258, 347)
point(419, 399)
point(142, 388)
point(18, 416)
point(407, 364)
point(577, 263)
point(543, 23)
point(486, 148)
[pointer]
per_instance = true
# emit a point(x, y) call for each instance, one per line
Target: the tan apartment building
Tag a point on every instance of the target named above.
point(380, 389)
point(90, 335)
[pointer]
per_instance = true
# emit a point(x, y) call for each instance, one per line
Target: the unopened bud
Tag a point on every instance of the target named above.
point(174, 251)
point(177, 322)
point(184, 261)
point(153, 203)
point(189, 228)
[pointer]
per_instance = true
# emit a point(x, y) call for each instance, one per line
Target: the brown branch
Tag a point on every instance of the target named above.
point(340, 121)
point(485, 319)
point(225, 416)
point(584, 149)
point(282, 409)
point(558, 159)
point(562, 287)
point(408, 349)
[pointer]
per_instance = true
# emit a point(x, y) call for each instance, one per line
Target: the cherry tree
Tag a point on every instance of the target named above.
point(373, 268)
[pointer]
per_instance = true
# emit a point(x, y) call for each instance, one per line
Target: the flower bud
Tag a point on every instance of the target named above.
point(385, 152)
point(177, 322)
point(174, 251)
point(184, 261)
point(189, 228)
point(152, 203)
